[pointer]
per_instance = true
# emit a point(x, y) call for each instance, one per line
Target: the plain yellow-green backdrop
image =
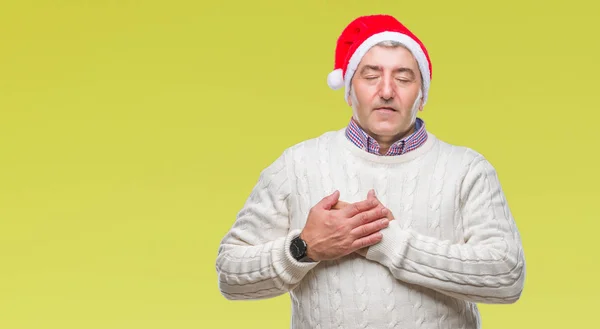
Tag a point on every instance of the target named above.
point(131, 133)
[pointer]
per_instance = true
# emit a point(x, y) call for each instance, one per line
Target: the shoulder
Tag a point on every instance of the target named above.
point(472, 165)
point(469, 165)
point(303, 150)
point(461, 155)
point(314, 145)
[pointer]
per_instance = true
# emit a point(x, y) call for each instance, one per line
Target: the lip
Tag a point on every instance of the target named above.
point(387, 109)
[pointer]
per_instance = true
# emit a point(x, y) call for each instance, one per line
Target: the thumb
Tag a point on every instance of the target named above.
point(330, 200)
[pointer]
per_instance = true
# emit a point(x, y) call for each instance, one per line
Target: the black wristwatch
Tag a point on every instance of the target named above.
point(298, 250)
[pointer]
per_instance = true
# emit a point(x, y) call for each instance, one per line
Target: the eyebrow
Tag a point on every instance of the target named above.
point(378, 68)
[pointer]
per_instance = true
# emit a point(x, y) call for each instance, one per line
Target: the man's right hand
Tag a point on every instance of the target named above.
point(334, 234)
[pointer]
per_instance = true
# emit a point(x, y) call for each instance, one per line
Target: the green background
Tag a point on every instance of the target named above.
point(131, 133)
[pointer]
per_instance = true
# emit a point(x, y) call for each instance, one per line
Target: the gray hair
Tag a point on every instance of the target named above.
point(390, 44)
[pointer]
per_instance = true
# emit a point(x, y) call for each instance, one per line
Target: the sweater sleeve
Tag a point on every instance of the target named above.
point(253, 260)
point(487, 267)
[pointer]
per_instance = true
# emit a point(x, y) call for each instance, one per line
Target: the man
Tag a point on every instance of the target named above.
point(379, 224)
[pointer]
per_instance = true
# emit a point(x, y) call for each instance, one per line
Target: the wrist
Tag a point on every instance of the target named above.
point(300, 249)
point(310, 256)
point(309, 250)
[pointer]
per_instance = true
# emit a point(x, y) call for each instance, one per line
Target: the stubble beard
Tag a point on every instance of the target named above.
point(413, 111)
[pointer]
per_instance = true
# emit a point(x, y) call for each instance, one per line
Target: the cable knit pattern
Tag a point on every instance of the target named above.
point(333, 267)
point(454, 242)
point(357, 265)
point(416, 299)
point(301, 179)
point(389, 300)
point(324, 163)
point(409, 187)
point(438, 184)
point(387, 281)
point(443, 312)
point(460, 307)
point(335, 299)
point(313, 286)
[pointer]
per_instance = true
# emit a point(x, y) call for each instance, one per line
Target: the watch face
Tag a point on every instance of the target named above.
point(297, 248)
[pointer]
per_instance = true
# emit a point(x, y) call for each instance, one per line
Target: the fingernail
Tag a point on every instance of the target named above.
point(384, 211)
point(385, 221)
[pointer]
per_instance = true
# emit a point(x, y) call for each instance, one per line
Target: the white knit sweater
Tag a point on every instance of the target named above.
point(453, 242)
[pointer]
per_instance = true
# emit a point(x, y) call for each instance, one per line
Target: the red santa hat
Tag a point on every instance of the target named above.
point(365, 32)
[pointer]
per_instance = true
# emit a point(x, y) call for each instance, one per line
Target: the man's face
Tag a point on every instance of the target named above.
point(386, 92)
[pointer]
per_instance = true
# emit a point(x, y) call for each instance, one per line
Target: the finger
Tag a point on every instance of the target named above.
point(340, 205)
point(330, 200)
point(370, 228)
point(390, 216)
point(371, 194)
point(366, 217)
point(367, 241)
point(358, 207)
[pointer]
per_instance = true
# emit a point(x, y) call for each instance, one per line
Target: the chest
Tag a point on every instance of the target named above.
point(423, 196)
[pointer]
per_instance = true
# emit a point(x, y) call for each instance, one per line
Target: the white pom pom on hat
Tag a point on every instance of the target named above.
point(335, 79)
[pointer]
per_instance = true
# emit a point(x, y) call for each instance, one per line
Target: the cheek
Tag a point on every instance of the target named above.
point(364, 94)
point(407, 97)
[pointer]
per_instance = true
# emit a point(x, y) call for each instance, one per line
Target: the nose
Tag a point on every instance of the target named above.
point(386, 90)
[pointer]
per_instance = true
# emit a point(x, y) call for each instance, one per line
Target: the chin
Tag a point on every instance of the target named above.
point(385, 131)
point(385, 128)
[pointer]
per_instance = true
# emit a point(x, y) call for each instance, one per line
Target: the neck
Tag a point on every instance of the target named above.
point(385, 142)
point(347, 144)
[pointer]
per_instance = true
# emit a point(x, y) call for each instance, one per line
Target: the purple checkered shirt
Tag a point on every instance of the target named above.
point(361, 139)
